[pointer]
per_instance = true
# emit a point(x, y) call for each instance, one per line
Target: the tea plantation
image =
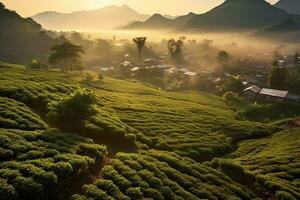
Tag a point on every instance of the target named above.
point(161, 145)
point(274, 161)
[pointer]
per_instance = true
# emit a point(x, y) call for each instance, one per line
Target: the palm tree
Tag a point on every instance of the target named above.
point(67, 54)
point(140, 43)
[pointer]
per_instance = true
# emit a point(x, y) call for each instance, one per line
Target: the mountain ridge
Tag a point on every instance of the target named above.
point(114, 16)
point(158, 21)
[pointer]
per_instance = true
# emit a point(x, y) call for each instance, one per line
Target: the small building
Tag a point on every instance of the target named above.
point(217, 80)
point(134, 69)
point(273, 95)
point(184, 70)
point(190, 73)
point(252, 91)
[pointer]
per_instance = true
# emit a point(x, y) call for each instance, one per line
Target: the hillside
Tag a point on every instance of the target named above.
point(17, 34)
point(238, 14)
point(114, 16)
point(290, 6)
point(156, 142)
point(158, 21)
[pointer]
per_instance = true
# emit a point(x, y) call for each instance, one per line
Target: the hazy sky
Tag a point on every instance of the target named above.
point(174, 7)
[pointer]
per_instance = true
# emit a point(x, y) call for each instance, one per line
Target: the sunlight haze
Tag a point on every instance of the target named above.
point(171, 7)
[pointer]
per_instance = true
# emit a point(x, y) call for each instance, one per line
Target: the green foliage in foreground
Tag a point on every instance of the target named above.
point(38, 164)
point(161, 175)
point(274, 161)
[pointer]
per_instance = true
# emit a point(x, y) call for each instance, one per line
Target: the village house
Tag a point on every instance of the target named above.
point(273, 95)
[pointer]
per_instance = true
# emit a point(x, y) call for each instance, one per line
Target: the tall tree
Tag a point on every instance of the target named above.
point(140, 43)
point(175, 49)
point(278, 78)
point(67, 55)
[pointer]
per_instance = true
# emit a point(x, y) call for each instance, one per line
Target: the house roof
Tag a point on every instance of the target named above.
point(184, 70)
point(253, 88)
point(134, 69)
point(274, 93)
point(190, 73)
point(162, 66)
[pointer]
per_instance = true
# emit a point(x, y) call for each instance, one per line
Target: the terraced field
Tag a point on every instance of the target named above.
point(156, 140)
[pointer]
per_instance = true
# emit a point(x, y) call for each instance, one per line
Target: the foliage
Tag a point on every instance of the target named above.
point(269, 112)
point(67, 55)
point(223, 57)
point(71, 111)
point(232, 84)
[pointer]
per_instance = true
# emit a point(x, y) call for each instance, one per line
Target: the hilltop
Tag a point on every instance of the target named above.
point(104, 18)
point(290, 6)
point(287, 25)
point(158, 21)
point(238, 14)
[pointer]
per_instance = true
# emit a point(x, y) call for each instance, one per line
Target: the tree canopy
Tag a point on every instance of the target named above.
point(67, 55)
point(175, 49)
point(278, 78)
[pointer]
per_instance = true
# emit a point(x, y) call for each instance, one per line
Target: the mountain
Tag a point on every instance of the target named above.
point(287, 25)
point(21, 39)
point(238, 14)
point(105, 18)
point(158, 21)
point(290, 6)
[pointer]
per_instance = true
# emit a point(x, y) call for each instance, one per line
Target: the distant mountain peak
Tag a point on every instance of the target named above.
point(108, 17)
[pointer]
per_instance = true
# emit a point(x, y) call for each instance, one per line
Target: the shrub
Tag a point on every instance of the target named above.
point(71, 112)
